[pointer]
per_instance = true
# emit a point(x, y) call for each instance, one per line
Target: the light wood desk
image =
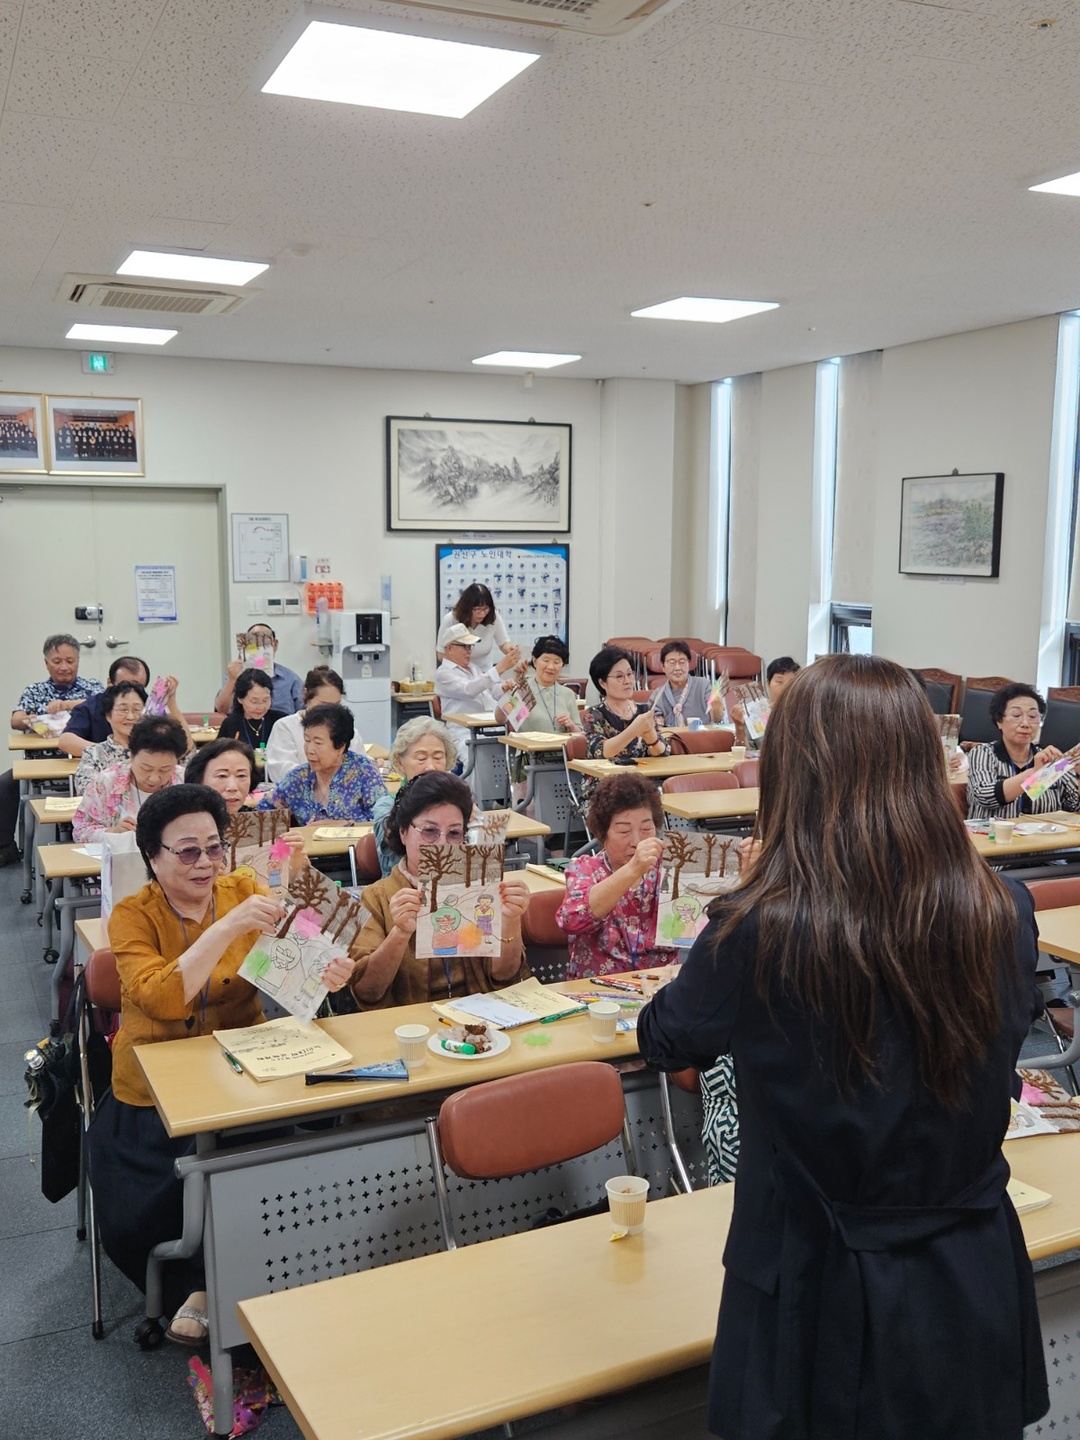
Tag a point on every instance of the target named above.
point(91, 933)
point(1059, 932)
point(660, 767)
point(712, 804)
point(533, 742)
point(1026, 844)
point(375, 751)
point(28, 742)
point(33, 771)
point(473, 720)
point(202, 734)
point(63, 868)
point(565, 1315)
point(54, 810)
point(542, 877)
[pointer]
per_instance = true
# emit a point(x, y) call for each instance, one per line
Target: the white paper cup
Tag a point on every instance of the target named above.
point(694, 723)
point(738, 753)
point(412, 1044)
point(603, 1017)
point(627, 1197)
point(1001, 831)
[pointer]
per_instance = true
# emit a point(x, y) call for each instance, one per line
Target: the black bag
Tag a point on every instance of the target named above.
point(54, 1082)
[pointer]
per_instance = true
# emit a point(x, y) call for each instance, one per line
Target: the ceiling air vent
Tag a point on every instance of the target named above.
point(111, 292)
point(591, 17)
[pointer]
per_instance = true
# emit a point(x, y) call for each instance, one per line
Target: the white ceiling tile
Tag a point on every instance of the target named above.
point(90, 27)
point(43, 160)
point(47, 82)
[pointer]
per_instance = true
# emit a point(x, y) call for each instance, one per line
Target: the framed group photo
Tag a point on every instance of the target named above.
point(92, 436)
point(484, 475)
point(22, 434)
point(951, 525)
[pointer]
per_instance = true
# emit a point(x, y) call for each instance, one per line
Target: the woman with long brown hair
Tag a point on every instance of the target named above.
point(874, 981)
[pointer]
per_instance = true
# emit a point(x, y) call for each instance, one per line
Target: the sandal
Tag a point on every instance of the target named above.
point(191, 1342)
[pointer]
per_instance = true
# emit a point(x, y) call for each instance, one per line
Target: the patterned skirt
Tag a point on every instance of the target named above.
point(720, 1125)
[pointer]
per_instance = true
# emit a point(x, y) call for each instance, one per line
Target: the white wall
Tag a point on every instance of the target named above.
point(310, 441)
point(692, 610)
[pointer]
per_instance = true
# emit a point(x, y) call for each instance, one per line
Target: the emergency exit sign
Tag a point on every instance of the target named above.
point(97, 362)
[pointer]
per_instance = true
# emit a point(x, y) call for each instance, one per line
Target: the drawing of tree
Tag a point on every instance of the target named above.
point(487, 856)
point(351, 910)
point(719, 851)
point(436, 863)
point(307, 890)
point(681, 851)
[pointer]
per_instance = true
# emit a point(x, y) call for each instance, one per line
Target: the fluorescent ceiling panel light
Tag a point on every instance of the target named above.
point(355, 65)
point(525, 359)
point(696, 307)
point(1063, 185)
point(204, 269)
point(121, 334)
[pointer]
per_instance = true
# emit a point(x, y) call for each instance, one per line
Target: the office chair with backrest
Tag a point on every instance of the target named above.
point(364, 864)
point(702, 742)
point(576, 748)
point(1061, 723)
point(683, 784)
point(746, 772)
point(975, 722)
point(688, 1081)
point(1061, 1020)
point(523, 1123)
point(546, 946)
point(942, 690)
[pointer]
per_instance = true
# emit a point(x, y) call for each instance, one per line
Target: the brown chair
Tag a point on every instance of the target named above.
point(689, 1081)
point(576, 748)
point(740, 664)
point(681, 784)
point(526, 1122)
point(436, 707)
point(99, 1010)
point(196, 717)
point(1053, 894)
point(942, 690)
point(638, 646)
point(975, 722)
point(746, 772)
point(364, 861)
point(702, 742)
point(546, 947)
point(577, 686)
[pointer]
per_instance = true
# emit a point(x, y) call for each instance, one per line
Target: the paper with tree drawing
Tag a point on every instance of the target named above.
point(697, 866)
point(279, 1048)
point(251, 830)
point(290, 967)
point(461, 911)
point(755, 707)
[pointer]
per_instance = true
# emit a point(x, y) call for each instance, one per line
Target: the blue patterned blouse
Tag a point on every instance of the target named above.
point(352, 796)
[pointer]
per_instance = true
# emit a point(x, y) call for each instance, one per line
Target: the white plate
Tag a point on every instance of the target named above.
point(500, 1043)
point(1044, 829)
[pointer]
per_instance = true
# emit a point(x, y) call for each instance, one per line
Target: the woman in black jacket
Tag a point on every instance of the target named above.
point(874, 980)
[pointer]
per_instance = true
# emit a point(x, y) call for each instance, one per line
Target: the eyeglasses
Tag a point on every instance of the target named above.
point(1032, 715)
point(191, 853)
point(626, 674)
point(432, 835)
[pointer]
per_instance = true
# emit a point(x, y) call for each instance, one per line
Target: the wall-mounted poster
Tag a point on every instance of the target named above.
point(951, 525)
point(529, 583)
point(22, 435)
point(91, 436)
point(260, 547)
point(509, 475)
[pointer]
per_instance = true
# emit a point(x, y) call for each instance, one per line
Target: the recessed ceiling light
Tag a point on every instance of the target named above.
point(157, 265)
point(391, 70)
point(1063, 185)
point(121, 334)
point(695, 307)
point(525, 359)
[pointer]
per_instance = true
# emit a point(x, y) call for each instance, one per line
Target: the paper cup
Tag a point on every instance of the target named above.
point(694, 723)
point(1001, 831)
point(627, 1197)
point(738, 753)
point(603, 1017)
point(412, 1044)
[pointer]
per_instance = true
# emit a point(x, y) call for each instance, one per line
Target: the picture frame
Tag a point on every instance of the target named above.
point(23, 443)
point(541, 571)
point(488, 476)
point(92, 435)
point(951, 525)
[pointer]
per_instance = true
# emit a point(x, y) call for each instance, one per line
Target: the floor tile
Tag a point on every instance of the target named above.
point(24, 1210)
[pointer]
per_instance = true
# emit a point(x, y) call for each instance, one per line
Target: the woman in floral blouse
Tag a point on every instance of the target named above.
point(609, 913)
point(112, 800)
point(620, 728)
point(335, 784)
point(122, 706)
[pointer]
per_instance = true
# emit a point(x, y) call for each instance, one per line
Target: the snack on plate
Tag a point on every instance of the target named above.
point(475, 1034)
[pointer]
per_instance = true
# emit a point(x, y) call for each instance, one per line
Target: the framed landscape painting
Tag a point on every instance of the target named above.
point(483, 475)
point(951, 525)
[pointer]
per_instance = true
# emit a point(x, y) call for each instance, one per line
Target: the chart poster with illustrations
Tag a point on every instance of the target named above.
point(461, 911)
point(696, 868)
point(529, 583)
point(260, 547)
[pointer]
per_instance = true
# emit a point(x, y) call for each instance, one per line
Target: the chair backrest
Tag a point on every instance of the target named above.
point(688, 1080)
point(546, 945)
point(577, 748)
point(366, 852)
point(103, 980)
point(436, 707)
point(943, 690)
point(975, 722)
point(746, 772)
point(1061, 723)
point(196, 717)
point(680, 784)
point(1053, 894)
point(526, 1122)
point(577, 686)
point(740, 664)
point(702, 742)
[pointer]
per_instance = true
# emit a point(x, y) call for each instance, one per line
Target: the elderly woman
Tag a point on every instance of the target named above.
point(684, 697)
point(179, 944)
point(996, 771)
point(620, 728)
point(227, 766)
point(285, 748)
point(252, 717)
point(475, 609)
point(113, 799)
point(335, 784)
point(420, 745)
point(610, 908)
point(433, 809)
point(122, 706)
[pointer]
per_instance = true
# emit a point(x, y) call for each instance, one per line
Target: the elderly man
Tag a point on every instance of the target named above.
point(88, 724)
point(65, 689)
point(463, 686)
point(288, 687)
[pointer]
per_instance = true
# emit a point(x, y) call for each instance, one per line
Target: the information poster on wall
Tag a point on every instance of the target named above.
point(260, 547)
point(155, 594)
point(530, 585)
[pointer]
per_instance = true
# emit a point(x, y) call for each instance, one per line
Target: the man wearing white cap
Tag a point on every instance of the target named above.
point(463, 687)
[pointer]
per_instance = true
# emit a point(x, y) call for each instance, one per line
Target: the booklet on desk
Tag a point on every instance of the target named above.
point(1026, 1198)
point(284, 1047)
point(518, 1004)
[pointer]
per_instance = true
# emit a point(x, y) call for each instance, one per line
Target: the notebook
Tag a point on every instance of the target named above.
point(1026, 1197)
point(284, 1047)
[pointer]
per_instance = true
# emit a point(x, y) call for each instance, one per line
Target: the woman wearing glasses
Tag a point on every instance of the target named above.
point(179, 943)
point(432, 809)
point(620, 728)
point(997, 771)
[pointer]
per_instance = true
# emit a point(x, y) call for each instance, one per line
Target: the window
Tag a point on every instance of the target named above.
point(851, 630)
point(1070, 669)
point(824, 504)
point(720, 504)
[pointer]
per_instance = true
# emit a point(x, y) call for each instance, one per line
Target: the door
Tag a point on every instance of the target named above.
point(65, 547)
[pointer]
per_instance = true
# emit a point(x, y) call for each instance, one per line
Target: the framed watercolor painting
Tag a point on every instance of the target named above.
point(951, 525)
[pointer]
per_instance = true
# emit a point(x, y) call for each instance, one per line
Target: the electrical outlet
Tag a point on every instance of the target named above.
point(254, 605)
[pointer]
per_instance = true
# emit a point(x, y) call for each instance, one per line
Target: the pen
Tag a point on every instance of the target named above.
point(547, 1019)
point(233, 1062)
point(618, 985)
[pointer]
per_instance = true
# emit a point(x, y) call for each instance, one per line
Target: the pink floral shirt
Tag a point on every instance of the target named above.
point(106, 800)
point(625, 939)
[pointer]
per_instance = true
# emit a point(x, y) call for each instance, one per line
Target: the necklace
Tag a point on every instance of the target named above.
point(254, 738)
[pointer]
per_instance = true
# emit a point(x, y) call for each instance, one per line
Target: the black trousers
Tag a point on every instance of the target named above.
point(9, 808)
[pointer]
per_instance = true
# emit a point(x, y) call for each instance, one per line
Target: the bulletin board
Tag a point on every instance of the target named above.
point(530, 585)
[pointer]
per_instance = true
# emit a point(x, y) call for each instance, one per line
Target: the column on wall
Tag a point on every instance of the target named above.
point(856, 479)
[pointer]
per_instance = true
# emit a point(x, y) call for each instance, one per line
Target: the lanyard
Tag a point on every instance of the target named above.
point(253, 740)
point(204, 993)
point(548, 714)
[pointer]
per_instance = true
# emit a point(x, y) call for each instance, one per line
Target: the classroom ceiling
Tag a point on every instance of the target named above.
point(863, 162)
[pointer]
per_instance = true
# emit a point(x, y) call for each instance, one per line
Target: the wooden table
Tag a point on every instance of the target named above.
point(63, 867)
point(31, 774)
point(712, 804)
point(90, 932)
point(565, 1315)
point(542, 877)
point(655, 1297)
point(62, 813)
point(28, 742)
point(1020, 845)
point(660, 767)
point(485, 769)
point(1059, 932)
point(534, 742)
